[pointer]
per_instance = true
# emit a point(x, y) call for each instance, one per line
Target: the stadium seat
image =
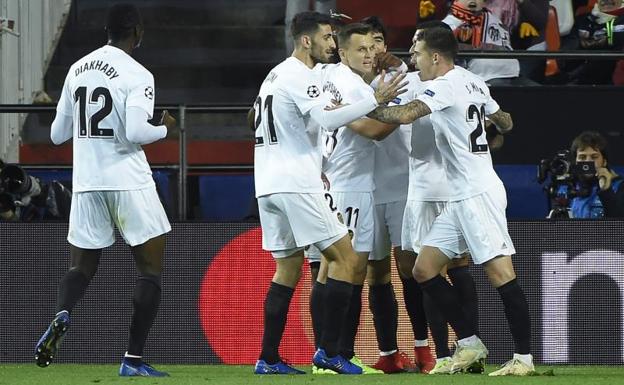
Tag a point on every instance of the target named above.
point(553, 41)
point(565, 15)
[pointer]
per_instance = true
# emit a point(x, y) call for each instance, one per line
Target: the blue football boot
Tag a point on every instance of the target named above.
point(51, 340)
point(338, 364)
point(143, 370)
point(262, 367)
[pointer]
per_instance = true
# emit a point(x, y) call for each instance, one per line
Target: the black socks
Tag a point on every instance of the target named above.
point(383, 305)
point(276, 306)
point(517, 312)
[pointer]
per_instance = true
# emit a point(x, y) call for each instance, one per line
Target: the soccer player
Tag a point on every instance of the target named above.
point(348, 166)
point(427, 196)
point(105, 104)
point(474, 217)
point(290, 110)
point(391, 181)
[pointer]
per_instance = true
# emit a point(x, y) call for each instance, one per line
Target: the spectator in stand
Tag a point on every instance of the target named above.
point(601, 29)
point(477, 28)
point(526, 21)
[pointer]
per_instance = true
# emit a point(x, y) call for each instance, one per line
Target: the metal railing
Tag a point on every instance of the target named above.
point(183, 168)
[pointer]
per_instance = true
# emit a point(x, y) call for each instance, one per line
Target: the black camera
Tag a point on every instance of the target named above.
point(24, 197)
point(564, 180)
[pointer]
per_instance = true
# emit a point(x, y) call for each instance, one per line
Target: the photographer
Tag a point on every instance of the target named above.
point(606, 197)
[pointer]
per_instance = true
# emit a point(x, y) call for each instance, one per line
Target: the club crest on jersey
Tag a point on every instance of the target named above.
point(313, 91)
point(149, 92)
point(429, 93)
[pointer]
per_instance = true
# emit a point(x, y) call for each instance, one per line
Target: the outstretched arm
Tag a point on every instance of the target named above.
point(371, 128)
point(404, 114)
point(502, 120)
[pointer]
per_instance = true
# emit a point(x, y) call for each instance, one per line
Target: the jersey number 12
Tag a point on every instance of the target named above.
point(90, 126)
point(267, 123)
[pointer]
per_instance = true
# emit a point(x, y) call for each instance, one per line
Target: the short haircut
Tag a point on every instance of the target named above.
point(590, 139)
point(308, 23)
point(121, 20)
point(440, 40)
point(376, 25)
point(432, 24)
point(345, 33)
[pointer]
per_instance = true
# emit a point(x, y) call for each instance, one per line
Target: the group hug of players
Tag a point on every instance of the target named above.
point(354, 158)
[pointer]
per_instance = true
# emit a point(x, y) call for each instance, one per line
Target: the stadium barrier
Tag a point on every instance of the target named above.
point(216, 276)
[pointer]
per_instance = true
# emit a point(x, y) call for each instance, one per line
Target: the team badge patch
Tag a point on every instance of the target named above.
point(429, 93)
point(149, 93)
point(313, 92)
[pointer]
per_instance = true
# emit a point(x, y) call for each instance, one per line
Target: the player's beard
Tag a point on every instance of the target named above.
point(319, 56)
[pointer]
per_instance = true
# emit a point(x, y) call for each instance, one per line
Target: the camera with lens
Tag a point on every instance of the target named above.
point(25, 197)
point(565, 179)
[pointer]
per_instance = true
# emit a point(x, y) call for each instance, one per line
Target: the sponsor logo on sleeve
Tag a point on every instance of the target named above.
point(149, 92)
point(429, 93)
point(313, 91)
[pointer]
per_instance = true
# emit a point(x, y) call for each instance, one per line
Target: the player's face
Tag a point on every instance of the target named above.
point(473, 5)
point(424, 60)
point(589, 154)
point(380, 42)
point(359, 53)
point(412, 48)
point(323, 46)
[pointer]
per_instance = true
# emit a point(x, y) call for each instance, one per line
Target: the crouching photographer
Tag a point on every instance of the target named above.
point(606, 194)
point(25, 198)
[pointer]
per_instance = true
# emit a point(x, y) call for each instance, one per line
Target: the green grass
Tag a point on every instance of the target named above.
point(60, 374)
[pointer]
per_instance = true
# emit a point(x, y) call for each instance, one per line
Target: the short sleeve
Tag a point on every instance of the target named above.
point(491, 106)
point(141, 94)
point(65, 104)
point(438, 95)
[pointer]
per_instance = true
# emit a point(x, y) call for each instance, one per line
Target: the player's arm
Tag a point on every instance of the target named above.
point(502, 120)
point(140, 131)
point(404, 114)
point(251, 114)
point(62, 126)
point(331, 118)
point(371, 128)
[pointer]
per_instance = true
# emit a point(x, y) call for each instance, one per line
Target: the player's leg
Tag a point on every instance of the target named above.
point(143, 226)
point(340, 278)
point(464, 284)
point(502, 276)
point(90, 230)
point(317, 292)
point(278, 236)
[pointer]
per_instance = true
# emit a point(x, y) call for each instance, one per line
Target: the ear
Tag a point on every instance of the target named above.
point(435, 57)
point(341, 53)
point(306, 41)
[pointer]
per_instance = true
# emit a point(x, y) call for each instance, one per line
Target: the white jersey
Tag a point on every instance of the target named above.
point(495, 35)
point(97, 91)
point(459, 102)
point(349, 157)
point(427, 177)
point(391, 156)
point(287, 156)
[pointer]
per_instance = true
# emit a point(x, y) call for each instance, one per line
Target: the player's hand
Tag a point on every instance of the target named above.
point(494, 138)
point(527, 30)
point(385, 61)
point(168, 120)
point(387, 92)
point(426, 9)
point(605, 177)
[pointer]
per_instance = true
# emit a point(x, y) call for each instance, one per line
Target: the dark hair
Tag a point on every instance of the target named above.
point(376, 25)
point(440, 40)
point(345, 33)
point(121, 20)
point(308, 23)
point(432, 24)
point(591, 139)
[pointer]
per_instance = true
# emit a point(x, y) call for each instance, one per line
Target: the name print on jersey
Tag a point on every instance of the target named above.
point(331, 88)
point(471, 87)
point(98, 65)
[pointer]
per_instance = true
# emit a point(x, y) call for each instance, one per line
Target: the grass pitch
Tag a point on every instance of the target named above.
point(62, 374)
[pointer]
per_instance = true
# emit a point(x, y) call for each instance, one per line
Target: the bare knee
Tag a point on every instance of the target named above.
point(500, 270)
point(379, 272)
point(405, 261)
